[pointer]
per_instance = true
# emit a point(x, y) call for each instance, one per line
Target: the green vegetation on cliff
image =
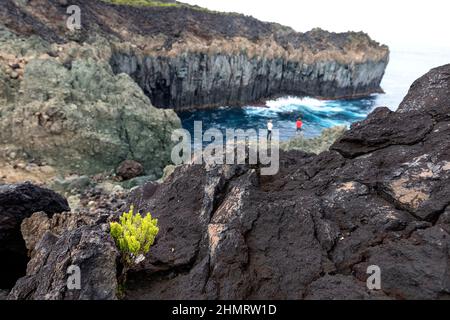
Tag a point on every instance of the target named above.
point(144, 3)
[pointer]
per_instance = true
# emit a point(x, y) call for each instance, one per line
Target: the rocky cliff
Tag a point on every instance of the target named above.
point(64, 106)
point(380, 197)
point(185, 57)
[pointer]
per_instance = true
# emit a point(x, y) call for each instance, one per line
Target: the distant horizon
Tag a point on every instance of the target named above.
point(397, 24)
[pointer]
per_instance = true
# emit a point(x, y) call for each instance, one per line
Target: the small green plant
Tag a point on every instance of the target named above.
point(133, 235)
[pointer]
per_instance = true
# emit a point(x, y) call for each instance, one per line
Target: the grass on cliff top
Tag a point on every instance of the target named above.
point(143, 3)
point(153, 3)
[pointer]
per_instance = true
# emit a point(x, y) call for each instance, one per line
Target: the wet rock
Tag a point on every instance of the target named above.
point(129, 169)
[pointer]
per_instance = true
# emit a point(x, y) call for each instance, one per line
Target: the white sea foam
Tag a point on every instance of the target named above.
point(286, 101)
point(287, 104)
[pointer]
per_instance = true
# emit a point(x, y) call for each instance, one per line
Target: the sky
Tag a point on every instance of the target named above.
point(397, 23)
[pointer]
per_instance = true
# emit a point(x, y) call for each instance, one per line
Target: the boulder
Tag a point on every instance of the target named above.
point(89, 248)
point(91, 118)
point(17, 202)
point(130, 169)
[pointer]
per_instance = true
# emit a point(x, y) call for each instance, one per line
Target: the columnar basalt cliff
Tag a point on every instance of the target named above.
point(380, 196)
point(237, 71)
point(184, 57)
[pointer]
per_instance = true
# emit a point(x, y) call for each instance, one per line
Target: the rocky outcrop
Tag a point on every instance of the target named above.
point(379, 197)
point(317, 144)
point(78, 238)
point(69, 109)
point(18, 202)
point(234, 78)
point(78, 101)
point(89, 248)
point(185, 57)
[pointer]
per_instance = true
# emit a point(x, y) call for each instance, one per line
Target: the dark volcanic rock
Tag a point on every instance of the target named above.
point(310, 232)
point(79, 238)
point(18, 202)
point(380, 197)
point(340, 287)
point(390, 131)
point(88, 247)
point(3, 294)
point(130, 169)
point(429, 93)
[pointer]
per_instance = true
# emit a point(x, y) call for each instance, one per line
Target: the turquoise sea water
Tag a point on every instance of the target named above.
point(405, 66)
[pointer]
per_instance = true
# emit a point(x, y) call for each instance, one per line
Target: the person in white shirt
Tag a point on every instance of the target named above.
point(269, 130)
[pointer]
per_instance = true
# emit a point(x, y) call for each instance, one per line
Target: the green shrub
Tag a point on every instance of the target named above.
point(133, 236)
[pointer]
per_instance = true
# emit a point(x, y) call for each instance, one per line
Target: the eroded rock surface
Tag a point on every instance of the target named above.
point(310, 232)
point(380, 197)
point(88, 247)
point(70, 110)
point(18, 202)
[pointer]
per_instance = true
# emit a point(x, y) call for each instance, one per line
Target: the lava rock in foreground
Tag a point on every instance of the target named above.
point(18, 202)
point(380, 197)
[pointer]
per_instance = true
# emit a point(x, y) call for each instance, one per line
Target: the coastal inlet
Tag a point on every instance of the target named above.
point(316, 115)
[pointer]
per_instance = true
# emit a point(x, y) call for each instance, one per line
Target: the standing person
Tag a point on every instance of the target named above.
point(299, 125)
point(269, 130)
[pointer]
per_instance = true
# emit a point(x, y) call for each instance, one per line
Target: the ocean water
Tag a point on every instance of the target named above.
point(404, 68)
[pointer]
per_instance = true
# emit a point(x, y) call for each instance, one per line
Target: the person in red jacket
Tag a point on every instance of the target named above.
point(299, 124)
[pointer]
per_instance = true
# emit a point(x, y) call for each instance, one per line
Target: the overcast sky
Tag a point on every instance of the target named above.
point(397, 23)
